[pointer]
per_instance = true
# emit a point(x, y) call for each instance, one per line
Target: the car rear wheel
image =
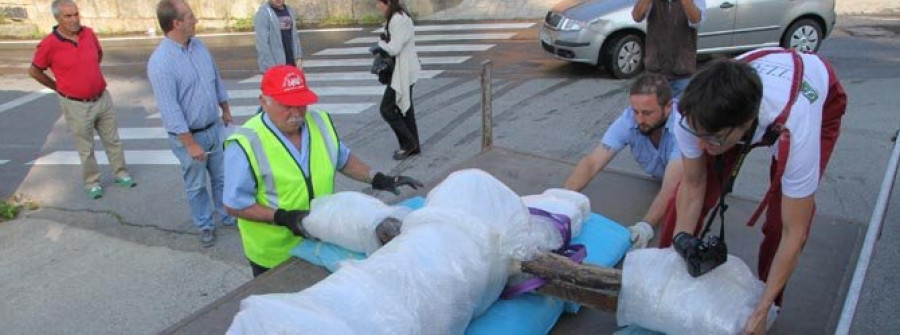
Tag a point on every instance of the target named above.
point(804, 35)
point(622, 56)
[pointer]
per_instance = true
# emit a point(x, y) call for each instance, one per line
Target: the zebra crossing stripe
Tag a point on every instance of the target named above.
point(321, 91)
point(462, 27)
point(3, 161)
point(419, 49)
point(433, 38)
point(141, 133)
point(133, 157)
point(241, 111)
point(24, 100)
point(341, 76)
point(368, 61)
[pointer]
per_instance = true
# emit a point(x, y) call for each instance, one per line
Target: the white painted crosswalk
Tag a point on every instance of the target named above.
point(440, 38)
point(133, 157)
point(467, 27)
point(358, 76)
point(141, 133)
point(244, 111)
point(24, 100)
point(419, 49)
point(339, 75)
point(367, 62)
point(3, 161)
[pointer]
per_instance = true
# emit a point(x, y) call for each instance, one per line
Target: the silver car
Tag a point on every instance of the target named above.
point(602, 32)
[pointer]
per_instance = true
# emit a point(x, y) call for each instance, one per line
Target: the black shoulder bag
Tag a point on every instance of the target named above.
point(383, 65)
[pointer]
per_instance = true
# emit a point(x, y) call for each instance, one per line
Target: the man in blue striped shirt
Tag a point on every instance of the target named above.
point(189, 93)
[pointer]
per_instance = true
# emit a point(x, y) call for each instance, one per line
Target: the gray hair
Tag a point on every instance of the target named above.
point(54, 7)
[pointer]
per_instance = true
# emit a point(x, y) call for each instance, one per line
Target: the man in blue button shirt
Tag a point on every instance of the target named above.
point(646, 128)
point(189, 93)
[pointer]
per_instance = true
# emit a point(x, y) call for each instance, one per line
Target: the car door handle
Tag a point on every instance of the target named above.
point(726, 5)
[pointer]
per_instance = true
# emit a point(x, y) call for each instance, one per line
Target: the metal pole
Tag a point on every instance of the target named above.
point(487, 133)
point(873, 232)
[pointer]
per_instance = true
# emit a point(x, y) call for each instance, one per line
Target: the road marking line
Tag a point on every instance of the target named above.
point(240, 111)
point(419, 49)
point(432, 38)
point(321, 91)
point(3, 161)
point(141, 133)
point(474, 26)
point(24, 100)
point(249, 110)
point(339, 76)
point(133, 157)
point(368, 61)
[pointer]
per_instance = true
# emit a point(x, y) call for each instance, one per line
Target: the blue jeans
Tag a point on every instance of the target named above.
point(195, 174)
point(678, 85)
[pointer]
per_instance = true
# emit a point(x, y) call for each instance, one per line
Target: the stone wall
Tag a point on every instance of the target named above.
point(124, 16)
point(109, 17)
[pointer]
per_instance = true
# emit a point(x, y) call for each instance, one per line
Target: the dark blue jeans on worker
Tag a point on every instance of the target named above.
point(197, 174)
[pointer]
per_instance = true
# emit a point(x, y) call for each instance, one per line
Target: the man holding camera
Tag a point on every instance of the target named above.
point(279, 161)
point(769, 97)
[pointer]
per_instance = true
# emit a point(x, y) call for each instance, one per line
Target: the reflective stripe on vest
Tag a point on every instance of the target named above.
point(281, 183)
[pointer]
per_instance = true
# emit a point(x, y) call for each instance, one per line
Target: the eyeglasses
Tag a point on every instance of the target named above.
point(712, 139)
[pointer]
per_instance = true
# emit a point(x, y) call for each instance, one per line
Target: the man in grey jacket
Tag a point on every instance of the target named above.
point(277, 40)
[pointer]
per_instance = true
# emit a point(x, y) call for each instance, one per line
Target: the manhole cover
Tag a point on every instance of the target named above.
point(869, 32)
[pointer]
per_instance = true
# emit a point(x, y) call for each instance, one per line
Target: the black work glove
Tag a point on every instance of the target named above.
point(383, 182)
point(687, 246)
point(291, 219)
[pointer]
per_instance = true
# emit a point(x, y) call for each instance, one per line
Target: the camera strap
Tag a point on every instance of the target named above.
point(728, 181)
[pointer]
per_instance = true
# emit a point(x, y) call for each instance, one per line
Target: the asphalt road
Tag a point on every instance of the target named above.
point(541, 105)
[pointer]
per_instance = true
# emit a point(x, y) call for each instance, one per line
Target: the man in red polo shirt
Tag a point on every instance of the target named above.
point(72, 52)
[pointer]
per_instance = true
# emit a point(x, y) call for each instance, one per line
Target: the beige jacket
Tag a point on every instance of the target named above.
point(407, 66)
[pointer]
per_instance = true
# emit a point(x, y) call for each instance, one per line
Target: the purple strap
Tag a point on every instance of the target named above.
point(574, 252)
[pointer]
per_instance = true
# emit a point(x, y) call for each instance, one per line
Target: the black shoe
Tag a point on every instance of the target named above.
point(403, 154)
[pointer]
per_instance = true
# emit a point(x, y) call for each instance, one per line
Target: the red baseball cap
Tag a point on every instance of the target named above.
point(287, 85)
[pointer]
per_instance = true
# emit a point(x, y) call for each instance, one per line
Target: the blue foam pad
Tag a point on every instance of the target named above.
point(606, 242)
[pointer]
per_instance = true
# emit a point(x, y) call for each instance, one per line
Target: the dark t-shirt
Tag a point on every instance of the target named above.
point(286, 24)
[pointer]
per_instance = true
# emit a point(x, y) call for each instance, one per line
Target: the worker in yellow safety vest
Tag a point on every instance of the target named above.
point(278, 161)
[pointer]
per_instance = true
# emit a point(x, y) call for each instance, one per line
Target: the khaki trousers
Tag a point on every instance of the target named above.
point(83, 118)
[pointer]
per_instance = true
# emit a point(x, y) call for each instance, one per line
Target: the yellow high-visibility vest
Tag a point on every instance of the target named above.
point(281, 183)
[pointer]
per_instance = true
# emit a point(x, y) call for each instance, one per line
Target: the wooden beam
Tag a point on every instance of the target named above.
point(556, 267)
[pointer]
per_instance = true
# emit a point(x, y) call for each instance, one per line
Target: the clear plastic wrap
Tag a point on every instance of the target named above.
point(445, 268)
point(480, 194)
point(577, 199)
point(658, 294)
point(349, 219)
point(557, 206)
point(538, 235)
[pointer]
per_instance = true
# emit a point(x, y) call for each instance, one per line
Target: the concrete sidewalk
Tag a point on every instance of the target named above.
point(59, 279)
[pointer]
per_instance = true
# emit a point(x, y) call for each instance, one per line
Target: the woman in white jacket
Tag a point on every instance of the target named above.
point(396, 104)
